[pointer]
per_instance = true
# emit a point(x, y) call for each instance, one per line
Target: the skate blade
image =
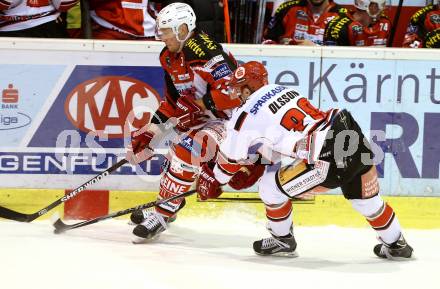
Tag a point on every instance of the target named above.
point(139, 240)
point(130, 223)
point(293, 254)
point(402, 259)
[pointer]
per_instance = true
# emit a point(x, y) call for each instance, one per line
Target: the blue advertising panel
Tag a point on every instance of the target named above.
point(59, 119)
point(397, 108)
point(86, 116)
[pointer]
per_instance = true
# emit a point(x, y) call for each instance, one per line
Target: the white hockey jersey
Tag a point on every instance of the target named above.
point(23, 14)
point(279, 119)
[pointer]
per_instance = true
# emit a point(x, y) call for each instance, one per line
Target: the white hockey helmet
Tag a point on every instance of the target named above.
point(173, 16)
point(365, 5)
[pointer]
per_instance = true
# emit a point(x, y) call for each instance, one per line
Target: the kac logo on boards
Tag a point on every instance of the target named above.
point(10, 117)
point(103, 104)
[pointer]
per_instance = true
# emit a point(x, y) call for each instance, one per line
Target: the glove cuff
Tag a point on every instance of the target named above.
point(209, 102)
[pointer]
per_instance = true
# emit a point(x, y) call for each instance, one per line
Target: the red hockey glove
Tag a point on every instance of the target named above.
point(207, 186)
point(246, 176)
point(140, 148)
point(189, 113)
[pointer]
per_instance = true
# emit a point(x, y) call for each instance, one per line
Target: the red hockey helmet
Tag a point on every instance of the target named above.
point(252, 74)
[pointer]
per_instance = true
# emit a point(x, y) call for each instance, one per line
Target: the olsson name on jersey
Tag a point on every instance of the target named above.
point(282, 100)
point(265, 97)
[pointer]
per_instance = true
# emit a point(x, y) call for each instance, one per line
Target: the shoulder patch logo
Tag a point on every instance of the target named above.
point(221, 71)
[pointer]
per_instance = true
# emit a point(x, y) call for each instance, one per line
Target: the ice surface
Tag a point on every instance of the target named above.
point(207, 253)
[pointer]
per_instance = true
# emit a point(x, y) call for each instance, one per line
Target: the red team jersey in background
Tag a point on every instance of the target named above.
point(293, 19)
point(132, 17)
point(424, 28)
point(20, 15)
point(345, 31)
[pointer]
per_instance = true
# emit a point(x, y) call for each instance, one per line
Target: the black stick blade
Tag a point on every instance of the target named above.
point(13, 215)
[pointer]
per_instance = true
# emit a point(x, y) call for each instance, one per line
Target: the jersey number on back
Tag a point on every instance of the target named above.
point(293, 119)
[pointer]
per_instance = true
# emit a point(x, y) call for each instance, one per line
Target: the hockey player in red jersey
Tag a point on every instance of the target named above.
point(309, 149)
point(424, 28)
point(36, 18)
point(366, 26)
point(301, 22)
point(197, 70)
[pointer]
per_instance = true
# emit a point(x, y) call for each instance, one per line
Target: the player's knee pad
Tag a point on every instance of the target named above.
point(367, 207)
point(379, 214)
point(267, 188)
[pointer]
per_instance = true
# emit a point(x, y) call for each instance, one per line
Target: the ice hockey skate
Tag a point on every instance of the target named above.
point(399, 250)
point(153, 225)
point(137, 217)
point(276, 246)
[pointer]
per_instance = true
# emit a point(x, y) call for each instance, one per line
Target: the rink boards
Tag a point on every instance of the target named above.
point(64, 103)
point(413, 212)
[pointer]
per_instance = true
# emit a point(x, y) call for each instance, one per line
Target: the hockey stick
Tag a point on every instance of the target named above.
point(395, 22)
point(61, 227)
point(227, 20)
point(21, 217)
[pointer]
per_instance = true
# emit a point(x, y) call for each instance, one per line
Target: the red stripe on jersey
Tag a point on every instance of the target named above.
point(8, 20)
point(184, 176)
point(280, 212)
point(66, 5)
point(383, 220)
point(185, 155)
point(4, 4)
point(228, 166)
point(224, 171)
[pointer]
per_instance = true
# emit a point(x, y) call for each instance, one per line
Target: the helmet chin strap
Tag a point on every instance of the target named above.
point(182, 41)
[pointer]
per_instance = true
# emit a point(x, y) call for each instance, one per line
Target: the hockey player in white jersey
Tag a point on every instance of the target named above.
point(310, 150)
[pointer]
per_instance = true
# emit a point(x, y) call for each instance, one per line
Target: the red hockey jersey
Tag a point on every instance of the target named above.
point(420, 31)
point(294, 20)
point(345, 31)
